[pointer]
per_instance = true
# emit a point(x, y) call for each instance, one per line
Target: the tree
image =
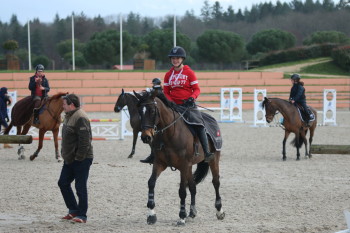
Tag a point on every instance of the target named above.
point(160, 43)
point(103, 48)
point(327, 37)
point(221, 47)
point(206, 11)
point(10, 45)
point(269, 40)
point(45, 61)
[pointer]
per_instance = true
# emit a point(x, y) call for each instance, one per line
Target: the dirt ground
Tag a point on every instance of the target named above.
point(260, 192)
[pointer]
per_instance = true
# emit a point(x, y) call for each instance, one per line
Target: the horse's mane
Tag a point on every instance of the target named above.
point(58, 95)
point(264, 103)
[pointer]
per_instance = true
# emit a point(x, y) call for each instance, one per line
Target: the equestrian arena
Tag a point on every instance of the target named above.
point(260, 192)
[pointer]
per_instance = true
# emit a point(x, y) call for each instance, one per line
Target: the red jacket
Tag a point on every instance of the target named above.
point(181, 85)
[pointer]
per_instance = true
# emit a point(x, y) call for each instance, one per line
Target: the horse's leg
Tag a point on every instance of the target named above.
point(40, 145)
point(304, 133)
point(182, 195)
point(55, 139)
point(297, 138)
point(214, 167)
point(157, 169)
point(286, 135)
point(134, 140)
point(312, 131)
point(20, 150)
point(193, 190)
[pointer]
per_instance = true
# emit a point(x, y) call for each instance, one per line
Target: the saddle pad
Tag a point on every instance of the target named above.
point(213, 130)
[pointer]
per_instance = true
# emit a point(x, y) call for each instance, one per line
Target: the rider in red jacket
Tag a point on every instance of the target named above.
point(181, 86)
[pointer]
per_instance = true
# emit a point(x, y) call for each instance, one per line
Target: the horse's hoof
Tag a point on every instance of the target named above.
point(284, 159)
point(151, 219)
point(220, 214)
point(193, 212)
point(130, 156)
point(181, 222)
point(21, 157)
point(59, 159)
point(32, 157)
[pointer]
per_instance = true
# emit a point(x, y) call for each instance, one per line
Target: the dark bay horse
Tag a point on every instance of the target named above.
point(50, 120)
point(292, 123)
point(174, 146)
point(127, 99)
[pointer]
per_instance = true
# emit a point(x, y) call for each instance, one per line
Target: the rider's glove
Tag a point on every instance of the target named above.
point(189, 102)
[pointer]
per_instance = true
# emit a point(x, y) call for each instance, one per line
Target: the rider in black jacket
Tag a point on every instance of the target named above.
point(297, 95)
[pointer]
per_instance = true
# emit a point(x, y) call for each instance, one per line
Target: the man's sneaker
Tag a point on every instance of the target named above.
point(79, 220)
point(69, 217)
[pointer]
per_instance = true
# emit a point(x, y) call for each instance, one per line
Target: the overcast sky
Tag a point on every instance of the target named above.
point(46, 10)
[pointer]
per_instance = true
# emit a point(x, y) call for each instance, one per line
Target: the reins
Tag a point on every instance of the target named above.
point(181, 115)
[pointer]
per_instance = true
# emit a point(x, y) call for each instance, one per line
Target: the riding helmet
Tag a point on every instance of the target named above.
point(177, 52)
point(39, 67)
point(295, 77)
point(156, 81)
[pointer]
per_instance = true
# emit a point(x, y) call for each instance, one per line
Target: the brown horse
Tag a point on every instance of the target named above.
point(127, 99)
point(50, 120)
point(292, 123)
point(174, 146)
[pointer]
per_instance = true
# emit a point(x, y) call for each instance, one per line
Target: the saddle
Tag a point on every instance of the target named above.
point(304, 113)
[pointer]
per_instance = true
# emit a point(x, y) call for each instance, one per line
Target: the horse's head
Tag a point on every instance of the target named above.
point(149, 114)
point(269, 109)
point(121, 102)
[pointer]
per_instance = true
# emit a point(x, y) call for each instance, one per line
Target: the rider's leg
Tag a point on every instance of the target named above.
point(149, 159)
point(37, 101)
point(202, 135)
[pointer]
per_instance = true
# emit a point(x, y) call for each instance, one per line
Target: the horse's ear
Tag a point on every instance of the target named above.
point(122, 91)
point(138, 96)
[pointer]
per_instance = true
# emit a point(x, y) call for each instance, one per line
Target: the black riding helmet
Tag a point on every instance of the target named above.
point(156, 81)
point(295, 77)
point(177, 52)
point(39, 67)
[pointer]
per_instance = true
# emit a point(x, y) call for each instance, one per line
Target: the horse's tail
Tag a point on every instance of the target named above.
point(299, 143)
point(7, 130)
point(201, 172)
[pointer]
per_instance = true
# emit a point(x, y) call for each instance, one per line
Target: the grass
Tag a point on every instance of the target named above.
point(321, 59)
point(324, 68)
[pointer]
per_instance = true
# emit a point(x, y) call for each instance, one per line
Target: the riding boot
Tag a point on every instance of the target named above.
point(36, 116)
point(311, 114)
point(202, 135)
point(149, 159)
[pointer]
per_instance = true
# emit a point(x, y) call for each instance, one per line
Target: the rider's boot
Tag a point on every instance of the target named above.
point(36, 116)
point(202, 135)
point(149, 159)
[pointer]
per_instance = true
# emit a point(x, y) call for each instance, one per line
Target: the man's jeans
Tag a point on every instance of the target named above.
point(78, 171)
